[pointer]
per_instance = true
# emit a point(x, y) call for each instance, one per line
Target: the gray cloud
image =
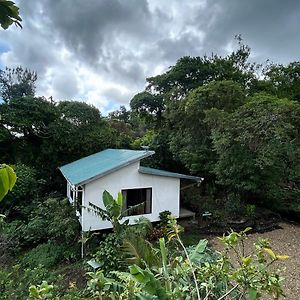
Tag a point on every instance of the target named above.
point(92, 29)
point(66, 82)
point(113, 94)
point(270, 27)
point(102, 51)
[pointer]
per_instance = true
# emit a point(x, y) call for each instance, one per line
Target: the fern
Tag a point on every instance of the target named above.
point(139, 251)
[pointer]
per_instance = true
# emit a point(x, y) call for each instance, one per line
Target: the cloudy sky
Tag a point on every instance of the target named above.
point(101, 51)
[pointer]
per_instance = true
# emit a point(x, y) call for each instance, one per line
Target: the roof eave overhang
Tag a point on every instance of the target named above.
point(68, 179)
point(182, 176)
point(194, 178)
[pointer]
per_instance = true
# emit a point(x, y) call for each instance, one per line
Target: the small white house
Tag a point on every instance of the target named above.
point(117, 170)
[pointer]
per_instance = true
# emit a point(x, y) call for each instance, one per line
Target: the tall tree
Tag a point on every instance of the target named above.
point(79, 130)
point(121, 114)
point(17, 83)
point(258, 148)
point(284, 80)
point(148, 106)
point(25, 123)
point(192, 72)
point(181, 120)
point(190, 136)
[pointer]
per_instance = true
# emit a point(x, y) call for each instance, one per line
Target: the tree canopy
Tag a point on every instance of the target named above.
point(232, 121)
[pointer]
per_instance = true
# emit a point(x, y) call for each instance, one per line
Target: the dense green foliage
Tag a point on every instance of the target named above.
point(177, 272)
point(45, 135)
point(24, 277)
point(46, 223)
point(48, 255)
point(109, 253)
point(17, 83)
point(233, 122)
point(258, 148)
point(195, 274)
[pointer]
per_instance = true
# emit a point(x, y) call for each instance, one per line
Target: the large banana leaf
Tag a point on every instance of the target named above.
point(139, 251)
point(7, 179)
point(199, 251)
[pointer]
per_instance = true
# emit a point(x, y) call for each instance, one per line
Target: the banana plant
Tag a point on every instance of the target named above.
point(114, 210)
point(137, 250)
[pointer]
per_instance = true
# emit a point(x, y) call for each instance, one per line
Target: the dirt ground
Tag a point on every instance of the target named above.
point(284, 241)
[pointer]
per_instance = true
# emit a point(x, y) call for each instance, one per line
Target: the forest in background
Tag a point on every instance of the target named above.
point(232, 121)
point(227, 119)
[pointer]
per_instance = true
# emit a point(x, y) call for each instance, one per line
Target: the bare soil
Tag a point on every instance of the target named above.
point(73, 276)
point(285, 241)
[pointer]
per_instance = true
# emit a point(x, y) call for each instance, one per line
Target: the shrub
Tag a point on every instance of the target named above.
point(46, 291)
point(27, 189)
point(9, 240)
point(109, 254)
point(41, 291)
point(156, 233)
point(15, 282)
point(194, 273)
point(233, 205)
point(164, 217)
point(48, 255)
point(142, 226)
point(250, 210)
point(47, 222)
point(73, 293)
point(8, 247)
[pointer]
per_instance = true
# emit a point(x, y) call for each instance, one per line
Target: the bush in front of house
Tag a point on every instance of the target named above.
point(109, 254)
point(195, 272)
point(47, 255)
point(46, 222)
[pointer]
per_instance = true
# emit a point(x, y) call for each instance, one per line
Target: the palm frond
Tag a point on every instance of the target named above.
point(99, 212)
point(139, 251)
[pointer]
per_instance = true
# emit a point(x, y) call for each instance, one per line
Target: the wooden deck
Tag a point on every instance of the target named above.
point(185, 213)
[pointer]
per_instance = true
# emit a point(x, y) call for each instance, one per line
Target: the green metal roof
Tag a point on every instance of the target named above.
point(157, 172)
point(100, 164)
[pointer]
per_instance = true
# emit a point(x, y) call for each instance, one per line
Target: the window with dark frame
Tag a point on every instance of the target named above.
point(141, 197)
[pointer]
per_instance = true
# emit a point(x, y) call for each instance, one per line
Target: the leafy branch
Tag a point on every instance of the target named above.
point(9, 14)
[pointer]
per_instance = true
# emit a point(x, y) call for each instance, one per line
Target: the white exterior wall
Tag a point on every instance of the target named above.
point(165, 194)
